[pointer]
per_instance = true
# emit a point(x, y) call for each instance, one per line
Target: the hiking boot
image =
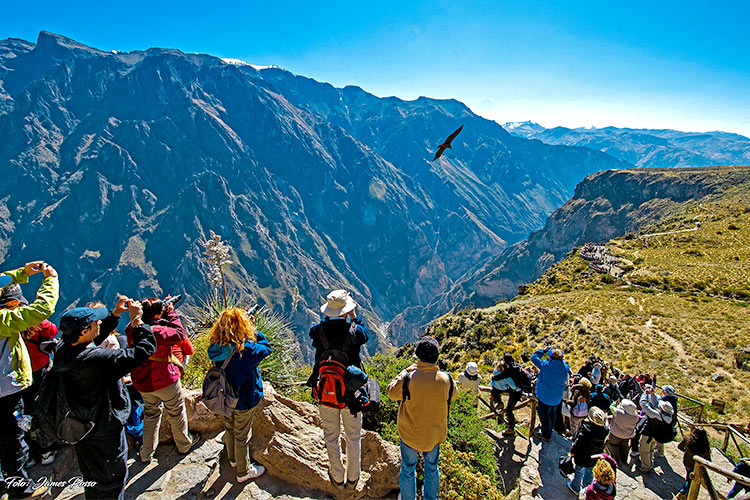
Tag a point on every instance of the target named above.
point(351, 485)
point(336, 484)
point(48, 457)
point(194, 440)
point(253, 471)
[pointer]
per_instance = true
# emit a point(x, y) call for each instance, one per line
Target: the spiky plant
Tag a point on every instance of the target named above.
point(276, 368)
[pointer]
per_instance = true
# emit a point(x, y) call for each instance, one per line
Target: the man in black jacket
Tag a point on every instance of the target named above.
point(92, 378)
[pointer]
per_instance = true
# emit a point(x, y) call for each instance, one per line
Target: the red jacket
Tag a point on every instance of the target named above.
point(158, 373)
point(39, 359)
point(183, 349)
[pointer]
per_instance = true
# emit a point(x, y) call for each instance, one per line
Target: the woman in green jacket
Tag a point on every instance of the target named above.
point(15, 369)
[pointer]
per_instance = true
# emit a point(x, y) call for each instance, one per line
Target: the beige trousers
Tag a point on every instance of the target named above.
point(239, 430)
point(332, 419)
point(172, 399)
point(646, 452)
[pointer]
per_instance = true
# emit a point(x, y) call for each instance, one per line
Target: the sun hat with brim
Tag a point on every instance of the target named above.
point(338, 303)
point(666, 407)
point(597, 416)
point(669, 390)
point(76, 320)
point(472, 368)
point(629, 407)
point(5, 280)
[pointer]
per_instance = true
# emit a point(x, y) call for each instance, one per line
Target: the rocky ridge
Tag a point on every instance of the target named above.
point(604, 206)
point(646, 147)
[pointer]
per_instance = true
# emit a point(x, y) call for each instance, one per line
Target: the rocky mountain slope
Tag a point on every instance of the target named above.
point(673, 303)
point(647, 147)
point(117, 164)
point(605, 205)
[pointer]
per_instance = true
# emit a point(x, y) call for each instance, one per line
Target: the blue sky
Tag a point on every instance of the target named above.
point(682, 65)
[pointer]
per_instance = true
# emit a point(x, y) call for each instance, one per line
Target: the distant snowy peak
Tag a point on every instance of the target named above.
point(527, 127)
point(514, 125)
point(240, 62)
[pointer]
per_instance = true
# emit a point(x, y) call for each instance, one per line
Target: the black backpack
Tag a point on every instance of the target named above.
point(658, 430)
point(54, 420)
point(405, 394)
point(218, 394)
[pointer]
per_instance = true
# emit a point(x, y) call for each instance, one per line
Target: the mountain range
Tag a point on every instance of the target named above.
point(118, 165)
point(646, 147)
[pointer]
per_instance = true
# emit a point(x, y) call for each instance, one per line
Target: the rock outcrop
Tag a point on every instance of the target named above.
point(200, 418)
point(288, 440)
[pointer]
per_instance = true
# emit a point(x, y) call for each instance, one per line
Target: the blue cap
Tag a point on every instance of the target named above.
point(5, 280)
point(78, 319)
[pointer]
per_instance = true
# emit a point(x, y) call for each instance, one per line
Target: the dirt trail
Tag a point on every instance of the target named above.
point(673, 342)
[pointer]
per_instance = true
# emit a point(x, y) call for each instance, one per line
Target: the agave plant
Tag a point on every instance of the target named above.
point(276, 368)
point(218, 255)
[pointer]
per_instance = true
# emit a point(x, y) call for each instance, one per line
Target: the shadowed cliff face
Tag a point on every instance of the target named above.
point(604, 206)
point(116, 164)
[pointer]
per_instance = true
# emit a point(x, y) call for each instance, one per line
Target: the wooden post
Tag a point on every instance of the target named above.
point(532, 422)
point(725, 444)
point(695, 484)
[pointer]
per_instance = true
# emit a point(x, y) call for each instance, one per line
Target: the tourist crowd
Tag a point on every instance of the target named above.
point(80, 382)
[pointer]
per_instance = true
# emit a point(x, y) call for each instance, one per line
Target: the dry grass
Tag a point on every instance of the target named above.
point(685, 328)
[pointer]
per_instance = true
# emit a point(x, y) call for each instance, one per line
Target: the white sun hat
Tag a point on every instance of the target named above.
point(338, 303)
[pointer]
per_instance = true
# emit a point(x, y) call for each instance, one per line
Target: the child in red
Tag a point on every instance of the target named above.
point(603, 487)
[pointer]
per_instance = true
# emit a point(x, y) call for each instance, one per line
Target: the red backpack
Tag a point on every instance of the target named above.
point(329, 389)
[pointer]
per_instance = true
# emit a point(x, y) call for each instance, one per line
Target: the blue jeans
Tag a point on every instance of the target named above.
point(583, 477)
point(547, 415)
point(408, 477)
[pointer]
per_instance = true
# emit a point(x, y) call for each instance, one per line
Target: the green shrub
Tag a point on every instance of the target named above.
point(278, 368)
point(458, 481)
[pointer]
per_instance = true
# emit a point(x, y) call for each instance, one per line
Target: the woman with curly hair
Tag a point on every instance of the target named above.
point(603, 487)
point(695, 443)
point(238, 348)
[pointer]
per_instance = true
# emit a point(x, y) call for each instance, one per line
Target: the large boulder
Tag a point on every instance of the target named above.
point(288, 441)
point(200, 418)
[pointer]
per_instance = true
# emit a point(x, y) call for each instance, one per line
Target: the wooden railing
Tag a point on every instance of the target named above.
point(701, 478)
point(498, 413)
